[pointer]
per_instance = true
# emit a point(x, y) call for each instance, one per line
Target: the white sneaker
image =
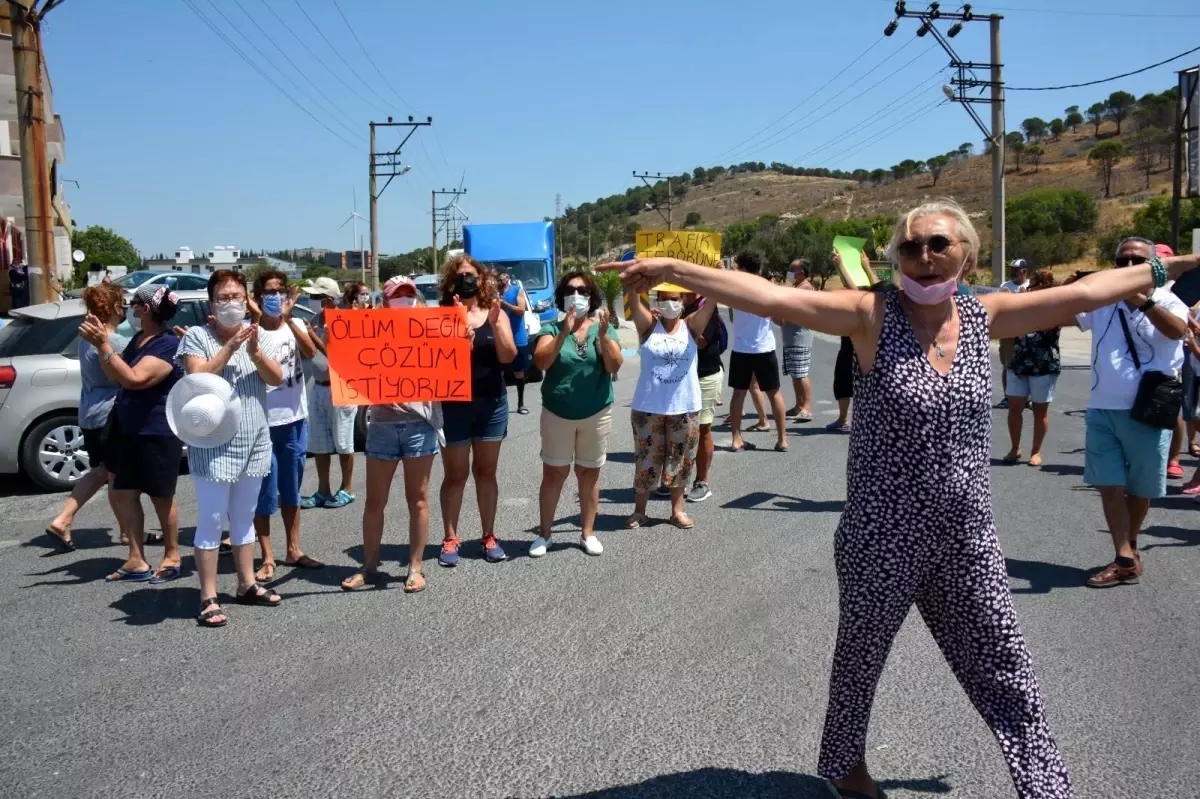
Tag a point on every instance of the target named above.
point(591, 545)
point(539, 547)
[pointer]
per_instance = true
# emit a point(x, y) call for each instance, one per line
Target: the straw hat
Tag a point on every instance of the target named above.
point(202, 411)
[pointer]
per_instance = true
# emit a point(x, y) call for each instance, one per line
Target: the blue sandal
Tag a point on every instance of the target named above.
point(165, 575)
point(122, 576)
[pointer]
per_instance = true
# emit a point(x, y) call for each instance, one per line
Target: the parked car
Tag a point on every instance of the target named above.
point(175, 281)
point(40, 385)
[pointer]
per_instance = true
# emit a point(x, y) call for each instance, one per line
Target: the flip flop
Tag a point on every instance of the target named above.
point(414, 583)
point(165, 575)
point(781, 448)
point(225, 548)
point(635, 521)
point(64, 544)
point(304, 562)
point(122, 576)
point(679, 523)
point(360, 579)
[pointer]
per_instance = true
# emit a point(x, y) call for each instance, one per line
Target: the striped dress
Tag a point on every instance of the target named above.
point(249, 453)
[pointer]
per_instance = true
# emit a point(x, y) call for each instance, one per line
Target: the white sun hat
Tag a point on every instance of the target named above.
point(324, 287)
point(203, 411)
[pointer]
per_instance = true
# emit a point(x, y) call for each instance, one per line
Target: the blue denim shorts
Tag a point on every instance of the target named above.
point(483, 419)
point(281, 486)
point(393, 441)
point(1119, 451)
point(1038, 389)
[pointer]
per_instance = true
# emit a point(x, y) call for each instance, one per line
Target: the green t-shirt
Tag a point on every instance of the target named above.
point(576, 386)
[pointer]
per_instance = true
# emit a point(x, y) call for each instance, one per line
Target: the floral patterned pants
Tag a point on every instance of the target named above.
point(961, 589)
point(664, 448)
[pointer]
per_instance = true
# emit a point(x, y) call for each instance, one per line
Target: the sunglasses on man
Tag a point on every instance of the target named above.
point(1132, 260)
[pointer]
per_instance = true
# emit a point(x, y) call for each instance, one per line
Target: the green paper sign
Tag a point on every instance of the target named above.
point(849, 249)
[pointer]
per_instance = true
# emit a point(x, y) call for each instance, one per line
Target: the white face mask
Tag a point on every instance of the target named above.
point(403, 302)
point(670, 309)
point(133, 319)
point(578, 304)
point(231, 313)
point(364, 299)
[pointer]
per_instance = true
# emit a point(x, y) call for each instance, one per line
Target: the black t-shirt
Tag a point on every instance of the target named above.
point(708, 358)
point(487, 378)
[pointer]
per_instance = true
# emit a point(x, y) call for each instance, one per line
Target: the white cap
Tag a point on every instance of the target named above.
point(324, 287)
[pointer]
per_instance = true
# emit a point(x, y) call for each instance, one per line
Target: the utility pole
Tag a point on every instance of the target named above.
point(645, 177)
point(1188, 95)
point(589, 238)
point(26, 19)
point(959, 94)
point(386, 165)
point(443, 215)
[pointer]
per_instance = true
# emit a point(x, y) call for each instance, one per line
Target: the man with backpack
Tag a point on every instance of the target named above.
point(710, 347)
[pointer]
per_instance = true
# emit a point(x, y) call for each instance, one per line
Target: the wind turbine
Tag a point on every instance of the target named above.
point(353, 219)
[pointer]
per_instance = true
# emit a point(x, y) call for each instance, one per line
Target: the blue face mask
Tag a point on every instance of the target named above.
point(272, 305)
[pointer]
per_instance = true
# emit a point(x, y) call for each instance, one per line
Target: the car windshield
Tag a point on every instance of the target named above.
point(429, 291)
point(134, 279)
point(532, 274)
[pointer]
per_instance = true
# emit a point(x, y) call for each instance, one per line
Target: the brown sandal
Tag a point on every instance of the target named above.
point(635, 521)
point(683, 521)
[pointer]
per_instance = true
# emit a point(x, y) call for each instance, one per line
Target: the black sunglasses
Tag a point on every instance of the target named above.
point(912, 248)
point(571, 291)
point(1133, 260)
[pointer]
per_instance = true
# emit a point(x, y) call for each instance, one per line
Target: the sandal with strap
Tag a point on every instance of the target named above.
point(208, 612)
point(635, 521)
point(258, 595)
point(414, 583)
point(360, 579)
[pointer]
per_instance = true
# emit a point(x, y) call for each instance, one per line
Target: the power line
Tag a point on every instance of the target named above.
point(1069, 13)
point(363, 49)
point(1095, 82)
point(882, 80)
point(875, 117)
point(316, 56)
point(264, 75)
point(337, 52)
point(295, 66)
point(283, 75)
point(738, 146)
point(857, 148)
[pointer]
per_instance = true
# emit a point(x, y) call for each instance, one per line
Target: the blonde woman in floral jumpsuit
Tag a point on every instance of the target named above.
point(923, 387)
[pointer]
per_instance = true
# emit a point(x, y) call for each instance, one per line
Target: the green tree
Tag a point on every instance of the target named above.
point(1095, 114)
point(252, 272)
point(609, 284)
point(1050, 226)
point(966, 149)
point(314, 271)
point(1035, 128)
point(1073, 119)
point(1104, 157)
point(936, 165)
point(101, 245)
point(692, 219)
point(1017, 148)
point(1119, 104)
point(1034, 153)
point(1057, 128)
point(1145, 147)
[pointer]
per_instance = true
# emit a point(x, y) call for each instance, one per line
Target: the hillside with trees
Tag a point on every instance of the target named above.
point(1074, 182)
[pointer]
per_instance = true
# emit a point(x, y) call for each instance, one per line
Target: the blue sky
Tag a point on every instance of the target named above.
point(175, 140)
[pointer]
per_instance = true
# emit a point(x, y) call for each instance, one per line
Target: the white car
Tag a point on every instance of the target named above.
point(174, 281)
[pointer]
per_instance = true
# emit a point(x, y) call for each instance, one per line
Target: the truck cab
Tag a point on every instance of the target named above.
point(523, 249)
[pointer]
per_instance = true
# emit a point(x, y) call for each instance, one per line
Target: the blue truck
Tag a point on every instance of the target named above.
point(523, 249)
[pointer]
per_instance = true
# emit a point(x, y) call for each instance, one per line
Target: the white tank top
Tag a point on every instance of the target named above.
point(752, 333)
point(668, 384)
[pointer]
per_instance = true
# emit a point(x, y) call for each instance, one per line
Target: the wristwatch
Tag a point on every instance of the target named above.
point(1147, 305)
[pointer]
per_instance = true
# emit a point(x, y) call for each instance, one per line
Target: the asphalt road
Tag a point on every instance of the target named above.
point(678, 664)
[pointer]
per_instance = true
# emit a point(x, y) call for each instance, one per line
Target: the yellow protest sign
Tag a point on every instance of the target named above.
point(694, 246)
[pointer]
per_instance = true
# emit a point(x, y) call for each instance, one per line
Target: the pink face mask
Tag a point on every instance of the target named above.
point(934, 293)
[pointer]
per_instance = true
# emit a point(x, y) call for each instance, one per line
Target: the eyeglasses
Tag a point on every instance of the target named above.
point(912, 248)
point(1132, 260)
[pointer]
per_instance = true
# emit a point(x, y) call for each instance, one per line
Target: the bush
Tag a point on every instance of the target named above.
point(609, 284)
point(1049, 226)
point(693, 218)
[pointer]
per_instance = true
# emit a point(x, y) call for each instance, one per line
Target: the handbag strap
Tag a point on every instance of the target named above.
point(1129, 340)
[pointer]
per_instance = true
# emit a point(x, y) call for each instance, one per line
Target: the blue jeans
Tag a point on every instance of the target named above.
point(281, 487)
point(395, 441)
point(483, 419)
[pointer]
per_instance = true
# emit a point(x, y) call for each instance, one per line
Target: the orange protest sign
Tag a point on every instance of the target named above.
point(391, 355)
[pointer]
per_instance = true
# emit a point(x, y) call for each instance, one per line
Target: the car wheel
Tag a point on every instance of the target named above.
point(53, 455)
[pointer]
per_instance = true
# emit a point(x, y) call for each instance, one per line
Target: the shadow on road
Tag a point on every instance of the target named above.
point(80, 572)
point(765, 500)
point(1043, 577)
point(1182, 536)
point(153, 605)
point(83, 538)
point(714, 783)
point(1063, 469)
point(18, 485)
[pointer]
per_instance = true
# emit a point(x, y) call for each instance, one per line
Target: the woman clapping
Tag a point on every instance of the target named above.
point(579, 356)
